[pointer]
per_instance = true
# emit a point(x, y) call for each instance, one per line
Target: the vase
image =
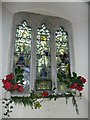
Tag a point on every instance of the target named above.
point(7, 95)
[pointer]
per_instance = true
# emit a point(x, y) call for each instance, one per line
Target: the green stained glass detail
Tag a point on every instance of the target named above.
point(62, 52)
point(22, 51)
point(43, 56)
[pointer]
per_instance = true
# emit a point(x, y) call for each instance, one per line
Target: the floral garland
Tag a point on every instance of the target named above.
point(13, 83)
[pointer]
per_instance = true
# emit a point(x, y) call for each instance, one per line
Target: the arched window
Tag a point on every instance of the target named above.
point(62, 53)
point(22, 54)
point(42, 50)
point(43, 58)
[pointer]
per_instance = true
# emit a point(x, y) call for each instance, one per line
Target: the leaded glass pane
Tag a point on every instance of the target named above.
point(62, 53)
point(43, 58)
point(22, 52)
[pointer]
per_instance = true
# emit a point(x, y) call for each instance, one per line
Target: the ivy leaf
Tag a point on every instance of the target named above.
point(11, 107)
point(7, 110)
point(5, 107)
point(37, 105)
point(10, 111)
point(5, 113)
point(80, 94)
point(3, 102)
point(55, 98)
point(8, 115)
point(74, 75)
point(10, 101)
point(7, 104)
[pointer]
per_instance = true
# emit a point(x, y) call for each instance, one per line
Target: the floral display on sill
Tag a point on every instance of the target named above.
point(10, 85)
point(13, 83)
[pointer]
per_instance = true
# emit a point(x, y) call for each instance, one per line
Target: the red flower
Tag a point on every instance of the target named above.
point(15, 87)
point(4, 81)
point(83, 79)
point(7, 85)
point(80, 88)
point(20, 89)
point(44, 94)
point(9, 76)
point(73, 86)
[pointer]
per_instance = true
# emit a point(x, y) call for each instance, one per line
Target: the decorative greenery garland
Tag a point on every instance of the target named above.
point(72, 84)
point(28, 101)
point(33, 101)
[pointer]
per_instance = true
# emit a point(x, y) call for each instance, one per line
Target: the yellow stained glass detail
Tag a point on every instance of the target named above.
point(43, 37)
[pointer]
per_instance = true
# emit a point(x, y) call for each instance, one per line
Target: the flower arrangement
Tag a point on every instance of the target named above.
point(10, 85)
point(77, 82)
point(73, 82)
point(13, 83)
point(78, 85)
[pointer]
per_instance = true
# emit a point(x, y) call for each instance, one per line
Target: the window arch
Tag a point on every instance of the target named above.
point(22, 53)
point(62, 53)
point(43, 58)
point(43, 52)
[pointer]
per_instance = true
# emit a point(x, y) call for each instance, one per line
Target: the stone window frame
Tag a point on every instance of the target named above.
point(35, 21)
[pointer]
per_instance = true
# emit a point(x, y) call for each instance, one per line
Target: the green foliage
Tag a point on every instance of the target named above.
point(75, 104)
point(7, 104)
point(70, 79)
point(37, 105)
point(65, 80)
point(32, 100)
point(27, 101)
point(18, 75)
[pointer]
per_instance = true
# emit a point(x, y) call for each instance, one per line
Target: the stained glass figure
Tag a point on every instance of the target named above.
point(22, 51)
point(62, 52)
point(43, 55)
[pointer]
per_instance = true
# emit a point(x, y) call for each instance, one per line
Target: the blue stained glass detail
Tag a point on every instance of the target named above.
point(43, 73)
point(21, 60)
point(46, 53)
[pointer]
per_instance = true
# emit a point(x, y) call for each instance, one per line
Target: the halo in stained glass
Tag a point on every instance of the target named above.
point(22, 52)
point(43, 57)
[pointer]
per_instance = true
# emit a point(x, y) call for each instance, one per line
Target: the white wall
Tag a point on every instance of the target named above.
point(77, 14)
point(6, 21)
point(6, 31)
point(0, 59)
point(80, 30)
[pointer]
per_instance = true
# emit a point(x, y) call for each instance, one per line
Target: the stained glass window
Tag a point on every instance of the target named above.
point(22, 52)
point(62, 53)
point(43, 58)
